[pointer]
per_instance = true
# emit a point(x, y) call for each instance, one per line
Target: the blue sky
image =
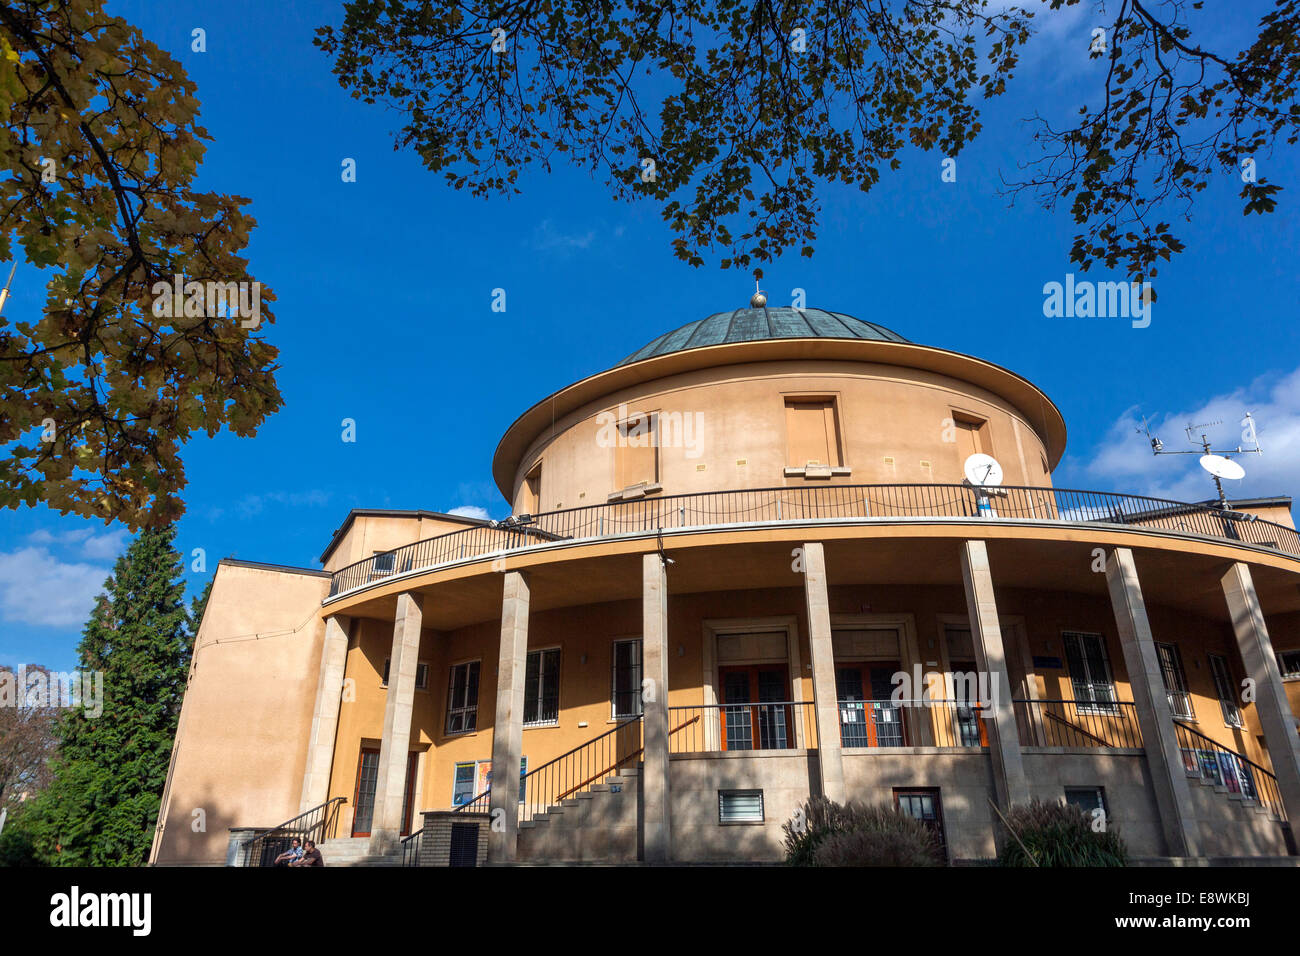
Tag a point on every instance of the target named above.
point(384, 309)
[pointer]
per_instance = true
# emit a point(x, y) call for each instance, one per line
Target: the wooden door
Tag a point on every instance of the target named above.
point(758, 725)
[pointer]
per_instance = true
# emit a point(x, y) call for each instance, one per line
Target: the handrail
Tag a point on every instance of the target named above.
point(852, 502)
point(1112, 723)
point(485, 796)
point(1269, 795)
point(613, 730)
point(328, 816)
point(1076, 728)
point(606, 772)
point(1240, 756)
point(411, 848)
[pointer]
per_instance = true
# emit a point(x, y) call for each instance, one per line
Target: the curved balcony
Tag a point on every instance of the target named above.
point(851, 504)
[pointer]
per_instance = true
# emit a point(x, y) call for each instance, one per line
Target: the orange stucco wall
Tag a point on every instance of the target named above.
point(1035, 617)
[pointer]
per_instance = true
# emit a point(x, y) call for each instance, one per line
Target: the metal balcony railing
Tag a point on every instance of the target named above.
point(770, 725)
point(1077, 723)
point(862, 503)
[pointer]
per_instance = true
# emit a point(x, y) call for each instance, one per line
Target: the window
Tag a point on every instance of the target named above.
point(1085, 653)
point(1223, 689)
point(1288, 662)
point(625, 692)
point(542, 687)
point(636, 456)
point(532, 497)
point(923, 804)
point(1171, 671)
point(474, 777)
point(421, 674)
point(1089, 800)
point(462, 698)
point(812, 432)
point(462, 790)
point(740, 806)
point(383, 563)
point(972, 436)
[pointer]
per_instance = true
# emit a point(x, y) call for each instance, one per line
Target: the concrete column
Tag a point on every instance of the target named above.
point(1164, 762)
point(654, 656)
point(1270, 697)
point(990, 657)
point(390, 788)
point(508, 731)
point(325, 718)
point(826, 703)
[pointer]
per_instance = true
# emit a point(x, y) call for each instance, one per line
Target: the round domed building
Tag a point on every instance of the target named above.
point(772, 554)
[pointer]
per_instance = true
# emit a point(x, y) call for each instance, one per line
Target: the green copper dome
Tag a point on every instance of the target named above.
point(757, 324)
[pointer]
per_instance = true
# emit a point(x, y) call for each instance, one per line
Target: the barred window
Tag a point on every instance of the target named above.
point(542, 687)
point(627, 676)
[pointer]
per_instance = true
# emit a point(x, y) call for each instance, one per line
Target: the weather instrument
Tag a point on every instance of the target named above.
point(1217, 463)
point(984, 474)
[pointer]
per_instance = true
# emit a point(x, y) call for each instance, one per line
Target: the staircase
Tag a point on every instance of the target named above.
point(1251, 793)
point(597, 825)
point(355, 851)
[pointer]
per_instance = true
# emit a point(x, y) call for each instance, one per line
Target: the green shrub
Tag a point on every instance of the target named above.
point(828, 834)
point(882, 837)
point(1059, 834)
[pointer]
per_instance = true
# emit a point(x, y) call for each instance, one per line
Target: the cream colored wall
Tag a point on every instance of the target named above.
point(1275, 513)
point(884, 412)
point(370, 533)
point(241, 745)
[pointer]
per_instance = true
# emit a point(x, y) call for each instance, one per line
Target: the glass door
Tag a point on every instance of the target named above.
point(408, 793)
point(367, 777)
point(868, 716)
point(971, 730)
point(749, 721)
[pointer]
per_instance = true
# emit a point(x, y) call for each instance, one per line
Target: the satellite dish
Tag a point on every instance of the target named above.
point(983, 470)
point(1221, 467)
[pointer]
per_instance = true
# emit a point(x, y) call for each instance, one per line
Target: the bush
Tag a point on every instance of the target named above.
point(1059, 834)
point(857, 835)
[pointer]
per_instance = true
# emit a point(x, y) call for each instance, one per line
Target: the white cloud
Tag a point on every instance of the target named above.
point(1123, 461)
point(37, 588)
point(251, 505)
point(96, 547)
point(108, 545)
point(546, 237)
point(469, 511)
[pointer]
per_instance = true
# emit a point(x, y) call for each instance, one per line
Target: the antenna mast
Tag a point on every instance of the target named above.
point(1217, 463)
